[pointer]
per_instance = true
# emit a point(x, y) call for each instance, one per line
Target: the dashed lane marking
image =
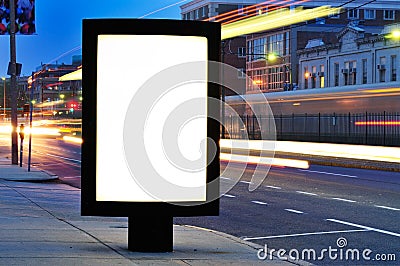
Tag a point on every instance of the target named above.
point(387, 208)
point(306, 193)
point(294, 211)
point(259, 202)
point(345, 200)
point(273, 187)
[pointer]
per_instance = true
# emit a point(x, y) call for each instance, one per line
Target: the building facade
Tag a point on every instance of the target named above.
point(281, 72)
point(358, 57)
point(233, 51)
point(50, 95)
point(271, 58)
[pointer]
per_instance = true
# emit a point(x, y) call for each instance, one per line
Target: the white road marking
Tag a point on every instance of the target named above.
point(245, 182)
point(226, 178)
point(345, 200)
point(387, 208)
point(66, 177)
point(229, 196)
point(259, 202)
point(327, 173)
point(306, 234)
point(365, 227)
point(60, 157)
point(294, 211)
point(306, 193)
point(273, 187)
point(64, 158)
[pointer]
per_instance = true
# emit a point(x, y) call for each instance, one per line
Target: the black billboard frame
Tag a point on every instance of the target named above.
point(154, 214)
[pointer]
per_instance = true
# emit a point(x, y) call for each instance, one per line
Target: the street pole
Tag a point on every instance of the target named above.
point(13, 86)
point(4, 96)
point(223, 93)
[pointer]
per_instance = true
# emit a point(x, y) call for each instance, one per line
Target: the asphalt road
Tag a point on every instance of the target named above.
point(311, 210)
point(346, 216)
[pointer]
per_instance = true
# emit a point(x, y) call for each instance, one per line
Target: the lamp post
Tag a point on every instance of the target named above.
point(4, 98)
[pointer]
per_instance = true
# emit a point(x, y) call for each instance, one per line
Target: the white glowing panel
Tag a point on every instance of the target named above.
point(125, 63)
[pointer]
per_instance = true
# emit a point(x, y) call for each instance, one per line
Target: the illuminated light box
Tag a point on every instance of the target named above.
point(150, 135)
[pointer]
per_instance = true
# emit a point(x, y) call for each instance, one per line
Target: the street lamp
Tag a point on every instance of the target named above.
point(394, 35)
point(4, 96)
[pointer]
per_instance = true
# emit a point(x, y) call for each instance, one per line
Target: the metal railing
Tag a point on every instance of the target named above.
point(361, 128)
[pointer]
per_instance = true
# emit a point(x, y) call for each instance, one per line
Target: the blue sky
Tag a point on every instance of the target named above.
point(59, 28)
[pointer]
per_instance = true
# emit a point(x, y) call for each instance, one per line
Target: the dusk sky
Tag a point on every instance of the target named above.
point(59, 28)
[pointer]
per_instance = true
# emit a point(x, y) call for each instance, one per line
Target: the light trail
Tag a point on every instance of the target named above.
point(362, 152)
point(275, 19)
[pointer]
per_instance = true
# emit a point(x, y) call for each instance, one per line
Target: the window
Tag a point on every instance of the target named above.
point(321, 75)
point(256, 49)
point(393, 70)
point(203, 11)
point(352, 13)
point(259, 79)
point(336, 74)
point(241, 10)
point(276, 78)
point(196, 14)
point(352, 72)
point(334, 14)
point(364, 71)
point(241, 52)
point(241, 73)
point(275, 44)
point(382, 68)
point(369, 14)
point(306, 76)
point(388, 14)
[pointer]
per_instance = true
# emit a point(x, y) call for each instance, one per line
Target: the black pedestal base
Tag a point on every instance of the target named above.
point(150, 234)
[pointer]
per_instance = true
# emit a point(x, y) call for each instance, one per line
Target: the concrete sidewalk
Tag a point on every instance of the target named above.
point(40, 224)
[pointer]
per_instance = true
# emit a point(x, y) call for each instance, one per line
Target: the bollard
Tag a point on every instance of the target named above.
point(21, 136)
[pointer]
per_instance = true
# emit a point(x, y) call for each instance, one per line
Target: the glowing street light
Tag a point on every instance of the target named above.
point(395, 34)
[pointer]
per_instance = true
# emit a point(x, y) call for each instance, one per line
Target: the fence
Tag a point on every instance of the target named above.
point(367, 128)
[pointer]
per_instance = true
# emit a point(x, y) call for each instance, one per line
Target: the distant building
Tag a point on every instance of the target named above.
point(233, 51)
point(49, 93)
point(361, 55)
point(282, 72)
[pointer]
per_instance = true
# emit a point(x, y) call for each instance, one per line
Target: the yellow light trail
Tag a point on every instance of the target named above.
point(281, 162)
point(272, 20)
